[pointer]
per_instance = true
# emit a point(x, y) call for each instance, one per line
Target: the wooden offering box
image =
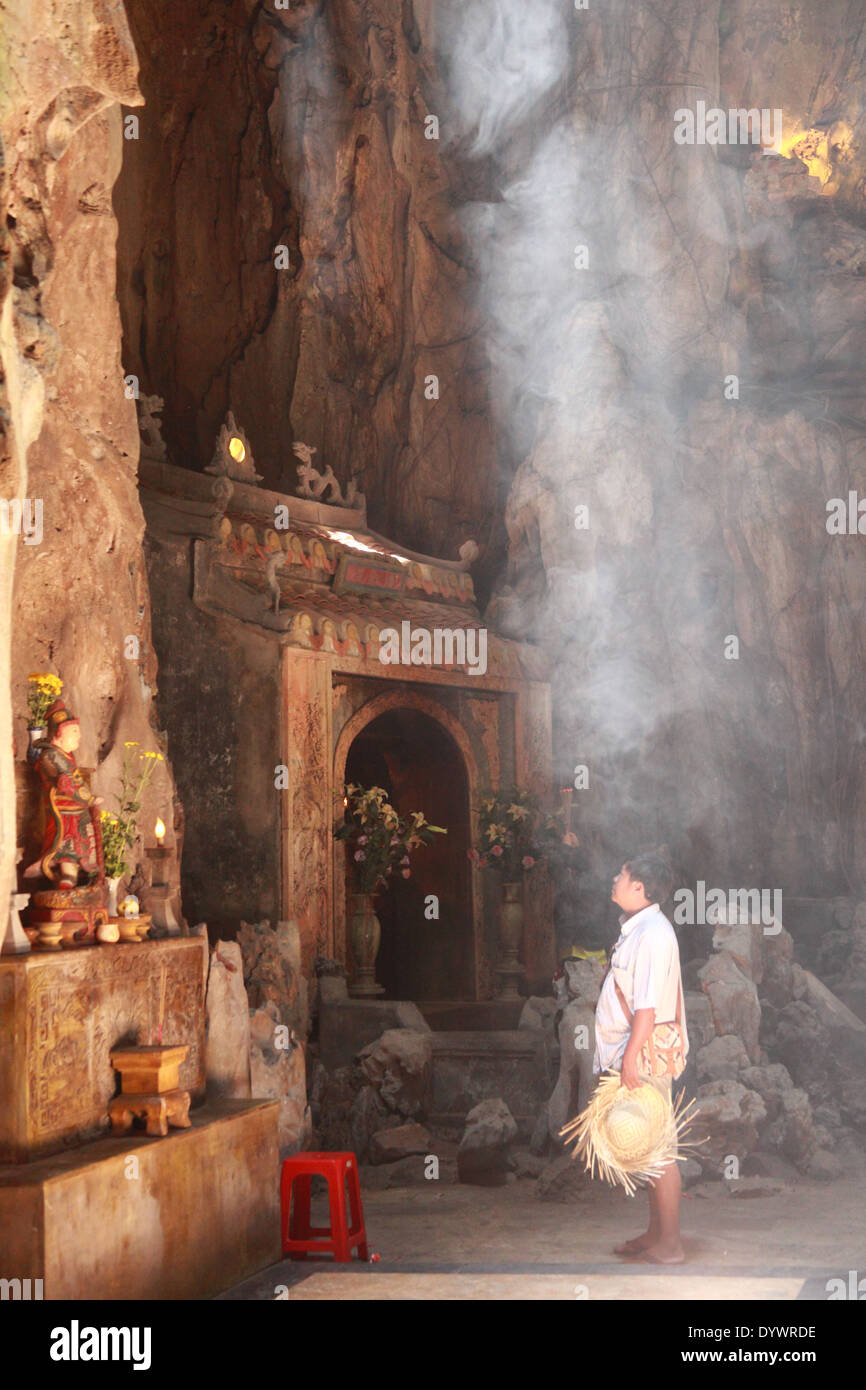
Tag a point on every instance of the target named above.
point(148, 1071)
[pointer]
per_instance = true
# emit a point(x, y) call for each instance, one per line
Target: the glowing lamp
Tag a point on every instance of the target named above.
point(159, 831)
point(236, 449)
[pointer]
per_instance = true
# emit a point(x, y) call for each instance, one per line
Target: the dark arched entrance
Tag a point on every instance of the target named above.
point(420, 766)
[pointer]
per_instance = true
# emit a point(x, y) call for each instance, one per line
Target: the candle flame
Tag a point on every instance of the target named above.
point(159, 829)
point(236, 449)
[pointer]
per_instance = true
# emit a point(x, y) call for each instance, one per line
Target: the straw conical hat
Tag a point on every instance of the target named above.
point(630, 1136)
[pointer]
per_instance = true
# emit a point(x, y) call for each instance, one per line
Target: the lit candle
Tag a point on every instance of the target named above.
point(159, 831)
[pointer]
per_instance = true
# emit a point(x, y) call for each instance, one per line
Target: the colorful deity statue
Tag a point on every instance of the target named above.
point(72, 841)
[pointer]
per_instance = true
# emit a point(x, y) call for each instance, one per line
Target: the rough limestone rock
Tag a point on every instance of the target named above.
point(823, 1165)
point(228, 1024)
point(73, 595)
point(723, 1057)
point(699, 1018)
point(528, 1164)
point(830, 1010)
point(730, 1116)
point(742, 941)
point(828, 1062)
point(575, 1081)
point(483, 1156)
point(538, 1013)
point(564, 1179)
point(733, 1000)
point(279, 1073)
point(755, 1187)
point(399, 1066)
point(584, 979)
point(777, 985)
point(368, 1115)
point(272, 970)
point(761, 1164)
point(389, 1145)
point(690, 1171)
point(285, 126)
point(771, 1082)
point(414, 1170)
point(792, 1133)
point(850, 983)
point(333, 1095)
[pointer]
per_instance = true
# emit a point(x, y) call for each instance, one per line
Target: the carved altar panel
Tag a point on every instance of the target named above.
point(60, 1016)
point(487, 714)
point(307, 810)
point(535, 771)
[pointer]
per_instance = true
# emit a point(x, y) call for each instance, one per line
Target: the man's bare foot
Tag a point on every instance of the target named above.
point(663, 1254)
point(636, 1246)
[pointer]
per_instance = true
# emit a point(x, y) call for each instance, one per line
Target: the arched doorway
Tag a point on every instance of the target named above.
point(418, 763)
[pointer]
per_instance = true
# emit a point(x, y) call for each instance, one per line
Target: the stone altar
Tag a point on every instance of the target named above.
point(200, 1214)
point(60, 1016)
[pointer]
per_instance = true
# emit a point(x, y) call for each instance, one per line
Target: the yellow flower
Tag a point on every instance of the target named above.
point(130, 743)
point(159, 757)
point(417, 819)
point(517, 812)
point(149, 755)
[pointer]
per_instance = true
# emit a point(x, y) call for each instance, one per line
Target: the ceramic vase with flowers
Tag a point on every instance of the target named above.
point(44, 689)
point(120, 827)
point(509, 843)
point(379, 842)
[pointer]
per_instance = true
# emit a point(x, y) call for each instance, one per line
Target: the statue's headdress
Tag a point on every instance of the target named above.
point(56, 716)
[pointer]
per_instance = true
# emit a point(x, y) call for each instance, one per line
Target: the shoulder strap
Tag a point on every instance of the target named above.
point(623, 1005)
point(630, 1016)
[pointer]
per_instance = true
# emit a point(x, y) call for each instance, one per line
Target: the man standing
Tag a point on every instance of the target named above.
point(643, 988)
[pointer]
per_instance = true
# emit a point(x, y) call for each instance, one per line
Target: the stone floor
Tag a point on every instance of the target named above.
point(458, 1242)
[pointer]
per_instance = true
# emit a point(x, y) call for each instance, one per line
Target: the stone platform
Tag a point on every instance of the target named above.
point(347, 1025)
point(61, 1013)
point(186, 1216)
point(472, 1016)
point(513, 1065)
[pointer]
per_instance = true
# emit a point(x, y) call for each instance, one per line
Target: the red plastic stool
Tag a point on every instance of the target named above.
point(298, 1236)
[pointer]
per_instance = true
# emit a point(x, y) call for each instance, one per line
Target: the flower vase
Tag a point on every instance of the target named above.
point(365, 934)
point(36, 734)
point(113, 885)
point(509, 968)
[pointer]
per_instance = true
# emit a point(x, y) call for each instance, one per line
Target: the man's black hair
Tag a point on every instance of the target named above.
point(652, 868)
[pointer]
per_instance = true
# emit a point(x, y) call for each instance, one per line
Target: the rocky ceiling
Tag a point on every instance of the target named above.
point(407, 258)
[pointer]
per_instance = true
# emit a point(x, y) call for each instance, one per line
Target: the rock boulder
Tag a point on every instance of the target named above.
point(730, 1116)
point(227, 1048)
point(278, 1072)
point(724, 1057)
point(483, 1156)
point(733, 1001)
point(399, 1066)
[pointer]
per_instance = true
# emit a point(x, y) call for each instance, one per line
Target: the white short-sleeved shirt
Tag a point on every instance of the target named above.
point(645, 963)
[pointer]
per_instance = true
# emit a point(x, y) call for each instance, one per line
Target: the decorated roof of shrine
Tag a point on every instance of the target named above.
point(314, 573)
